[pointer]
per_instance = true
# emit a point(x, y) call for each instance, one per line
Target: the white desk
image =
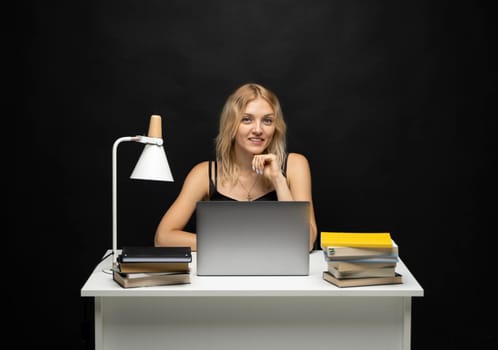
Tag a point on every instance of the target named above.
point(252, 312)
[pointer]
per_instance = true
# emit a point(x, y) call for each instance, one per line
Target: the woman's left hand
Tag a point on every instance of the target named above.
point(267, 165)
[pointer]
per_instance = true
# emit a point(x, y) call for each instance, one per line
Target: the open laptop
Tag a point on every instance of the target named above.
point(252, 238)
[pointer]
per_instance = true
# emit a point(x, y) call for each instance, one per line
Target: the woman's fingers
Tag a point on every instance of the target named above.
point(264, 161)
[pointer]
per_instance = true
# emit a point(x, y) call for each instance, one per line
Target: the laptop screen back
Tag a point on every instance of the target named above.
point(252, 238)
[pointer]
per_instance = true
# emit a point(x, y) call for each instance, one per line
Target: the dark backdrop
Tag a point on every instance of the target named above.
point(393, 103)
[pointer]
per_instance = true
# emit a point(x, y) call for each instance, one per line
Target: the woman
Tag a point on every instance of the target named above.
point(251, 164)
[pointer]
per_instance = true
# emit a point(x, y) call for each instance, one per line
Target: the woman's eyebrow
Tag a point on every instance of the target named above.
point(264, 116)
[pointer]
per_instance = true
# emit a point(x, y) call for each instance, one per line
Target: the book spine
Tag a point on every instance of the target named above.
point(344, 266)
point(333, 251)
point(363, 259)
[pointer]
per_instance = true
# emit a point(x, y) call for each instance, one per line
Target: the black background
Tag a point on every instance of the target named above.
point(393, 103)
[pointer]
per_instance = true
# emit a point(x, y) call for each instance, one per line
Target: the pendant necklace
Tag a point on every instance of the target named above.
point(249, 197)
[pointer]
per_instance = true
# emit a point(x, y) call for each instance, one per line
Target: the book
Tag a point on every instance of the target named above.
point(372, 272)
point(365, 258)
point(359, 282)
point(134, 280)
point(155, 254)
point(347, 266)
point(153, 267)
point(356, 239)
point(343, 252)
point(375, 259)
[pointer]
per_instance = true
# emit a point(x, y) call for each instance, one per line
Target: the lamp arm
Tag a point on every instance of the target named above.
point(138, 138)
point(115, 196)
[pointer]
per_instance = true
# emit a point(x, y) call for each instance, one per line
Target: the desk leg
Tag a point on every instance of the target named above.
point(248, 323)
point(407, 322)
point(99, 324)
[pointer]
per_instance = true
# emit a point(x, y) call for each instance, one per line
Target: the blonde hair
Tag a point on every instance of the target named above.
point(230, 118)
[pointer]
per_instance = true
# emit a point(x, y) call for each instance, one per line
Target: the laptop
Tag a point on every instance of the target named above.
point(254, 238)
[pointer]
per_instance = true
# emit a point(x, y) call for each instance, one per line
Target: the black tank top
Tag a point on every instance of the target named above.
point(214, 195)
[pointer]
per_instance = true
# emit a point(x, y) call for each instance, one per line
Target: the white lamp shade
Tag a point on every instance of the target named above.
point(152, 165)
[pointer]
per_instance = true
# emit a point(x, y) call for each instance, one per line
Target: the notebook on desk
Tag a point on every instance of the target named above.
point(252, 238)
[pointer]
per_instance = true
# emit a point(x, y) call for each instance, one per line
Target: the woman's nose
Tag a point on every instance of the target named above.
point(257, 128)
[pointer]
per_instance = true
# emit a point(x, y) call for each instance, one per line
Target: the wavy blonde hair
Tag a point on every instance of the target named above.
point(230, 119)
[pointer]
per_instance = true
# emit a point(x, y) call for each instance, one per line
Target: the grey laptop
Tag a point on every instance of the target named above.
point(252, 238)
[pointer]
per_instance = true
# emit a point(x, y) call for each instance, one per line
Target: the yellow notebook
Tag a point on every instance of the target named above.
point(356, 239)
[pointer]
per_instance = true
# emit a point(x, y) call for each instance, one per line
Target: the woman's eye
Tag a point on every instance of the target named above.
point(246, 120)
point(268, 121)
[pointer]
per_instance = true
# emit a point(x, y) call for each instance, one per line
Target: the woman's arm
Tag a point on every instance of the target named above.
point(299, 180)
point(295, 187)
point(170, 231)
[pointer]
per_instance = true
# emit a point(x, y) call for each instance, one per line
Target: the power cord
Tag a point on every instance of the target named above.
point(107, 270)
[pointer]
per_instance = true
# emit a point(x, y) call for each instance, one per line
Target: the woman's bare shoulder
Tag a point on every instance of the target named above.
point(196, 183)
point(297, 158)
point(199, 170)
point(201, 166)
point(297, 165)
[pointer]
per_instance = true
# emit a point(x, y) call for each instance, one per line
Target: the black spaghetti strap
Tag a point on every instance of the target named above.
point(210, 172)
point(210, 181)
point(216, 175)
point(213, 180)
point(284, 165)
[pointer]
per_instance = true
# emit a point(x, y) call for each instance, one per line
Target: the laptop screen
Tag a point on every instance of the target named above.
point(252, 238)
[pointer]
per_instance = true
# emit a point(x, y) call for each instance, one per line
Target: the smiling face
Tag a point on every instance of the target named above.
point(251, 122)
point(256, 128)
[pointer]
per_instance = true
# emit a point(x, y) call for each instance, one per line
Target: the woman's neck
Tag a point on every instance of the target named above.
point(244, 162)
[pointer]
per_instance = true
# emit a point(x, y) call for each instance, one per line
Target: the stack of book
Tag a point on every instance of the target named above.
point(360, 259)
point(152, 266)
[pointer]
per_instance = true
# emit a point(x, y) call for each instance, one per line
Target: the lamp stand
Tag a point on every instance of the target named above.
point(152, 165)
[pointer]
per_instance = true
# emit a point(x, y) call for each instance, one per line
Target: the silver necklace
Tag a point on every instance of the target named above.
point(249, 197)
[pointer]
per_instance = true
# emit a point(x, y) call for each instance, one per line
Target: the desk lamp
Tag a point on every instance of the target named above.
point(152, 165)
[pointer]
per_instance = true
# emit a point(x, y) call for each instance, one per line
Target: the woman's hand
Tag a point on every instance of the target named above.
point(267, 165)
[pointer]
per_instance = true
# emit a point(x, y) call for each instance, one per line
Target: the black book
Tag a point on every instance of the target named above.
point(155, 254)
